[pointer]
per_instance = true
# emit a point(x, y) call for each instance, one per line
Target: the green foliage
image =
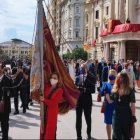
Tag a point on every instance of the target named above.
point(68, 56)
point(77, 53)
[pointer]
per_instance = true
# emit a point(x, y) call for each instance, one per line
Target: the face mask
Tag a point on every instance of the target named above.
point(112, 77)
point(120, 81)
point(53, 81)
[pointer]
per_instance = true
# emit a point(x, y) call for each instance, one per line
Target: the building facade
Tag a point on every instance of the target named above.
point(16, 48)
point(69, 19)
point(116, 44)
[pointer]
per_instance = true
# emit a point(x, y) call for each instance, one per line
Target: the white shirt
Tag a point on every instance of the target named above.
point(1, 77)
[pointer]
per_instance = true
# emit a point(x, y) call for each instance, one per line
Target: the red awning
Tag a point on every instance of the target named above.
point(126, 28)
point(104, 32)
point(112, 23)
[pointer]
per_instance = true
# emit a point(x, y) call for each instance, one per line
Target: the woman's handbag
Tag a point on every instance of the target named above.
point(1, 106)
point(103, 108)
point(99, 98)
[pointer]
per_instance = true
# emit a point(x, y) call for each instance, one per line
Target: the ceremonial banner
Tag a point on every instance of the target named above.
point(52, 63)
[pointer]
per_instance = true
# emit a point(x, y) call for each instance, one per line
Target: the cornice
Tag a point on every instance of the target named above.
point(121, 37)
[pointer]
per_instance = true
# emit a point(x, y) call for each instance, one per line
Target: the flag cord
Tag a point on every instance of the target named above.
point(61, 36)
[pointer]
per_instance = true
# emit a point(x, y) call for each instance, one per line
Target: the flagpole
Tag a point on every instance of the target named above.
point(40, 37)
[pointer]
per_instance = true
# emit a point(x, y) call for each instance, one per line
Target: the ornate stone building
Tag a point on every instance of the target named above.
point(16, 48)
point(67, 28)
point(115, 25)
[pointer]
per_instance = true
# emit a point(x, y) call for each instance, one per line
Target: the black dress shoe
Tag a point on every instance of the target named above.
point(31, 103)
point(24, 110)
point(79, 138)
point(16, 112)
point(21, 106)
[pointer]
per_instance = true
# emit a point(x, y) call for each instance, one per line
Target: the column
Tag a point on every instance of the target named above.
point(127, 9)
point(117, 9)
point(122, 50)
point(101, 16)
point(118, 48)
point(106, 51)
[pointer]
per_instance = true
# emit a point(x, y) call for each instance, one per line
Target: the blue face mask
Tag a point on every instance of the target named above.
point(112, 77)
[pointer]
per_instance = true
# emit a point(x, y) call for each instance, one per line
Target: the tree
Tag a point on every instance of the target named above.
point(77, 53)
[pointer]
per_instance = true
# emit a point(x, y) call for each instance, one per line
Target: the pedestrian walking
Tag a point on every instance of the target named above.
point(109, 104)
point(124, 112)
point(5, 108)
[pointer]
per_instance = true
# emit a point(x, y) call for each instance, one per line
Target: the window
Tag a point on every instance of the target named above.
point(22, 52)
point(86, 34)
point(97, 14)
point(69, 34)
point(87, 18)
point(70, 23)
point(70, 9)
point(107, 10)
point(6, 51)
point(112, 51)
point(97, 32)
point(77, 46)
point(77, 23)
point(77, 34)
point(77, 10)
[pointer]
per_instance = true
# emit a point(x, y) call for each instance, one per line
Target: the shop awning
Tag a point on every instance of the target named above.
point(126, 28)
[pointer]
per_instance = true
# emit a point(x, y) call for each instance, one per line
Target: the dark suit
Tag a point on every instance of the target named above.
point(85, 104)
point(120, 68)
point(105, 74)
point(5, 94)
point(17, 80)
point(100, 71)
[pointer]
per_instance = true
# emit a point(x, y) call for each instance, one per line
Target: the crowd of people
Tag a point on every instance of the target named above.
point(14, 82)
point(116, 82)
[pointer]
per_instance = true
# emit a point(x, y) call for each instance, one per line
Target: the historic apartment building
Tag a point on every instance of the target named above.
point(16, 48)
point(112, 29)
point(67, 25)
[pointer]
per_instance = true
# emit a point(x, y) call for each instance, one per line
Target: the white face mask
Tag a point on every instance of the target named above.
point(53, 81)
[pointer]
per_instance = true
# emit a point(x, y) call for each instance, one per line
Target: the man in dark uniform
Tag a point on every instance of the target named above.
point(5, 82)
point(85, 103)
point(17, 82)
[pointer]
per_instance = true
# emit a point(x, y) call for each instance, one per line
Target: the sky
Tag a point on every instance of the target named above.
point(17, 19)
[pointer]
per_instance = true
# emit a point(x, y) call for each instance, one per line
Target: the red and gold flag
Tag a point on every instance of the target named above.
point(53, 63)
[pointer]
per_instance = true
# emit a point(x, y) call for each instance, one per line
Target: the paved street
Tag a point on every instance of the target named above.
point(26, 126)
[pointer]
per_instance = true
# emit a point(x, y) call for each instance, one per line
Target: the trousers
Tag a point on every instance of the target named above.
point(84, 105)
